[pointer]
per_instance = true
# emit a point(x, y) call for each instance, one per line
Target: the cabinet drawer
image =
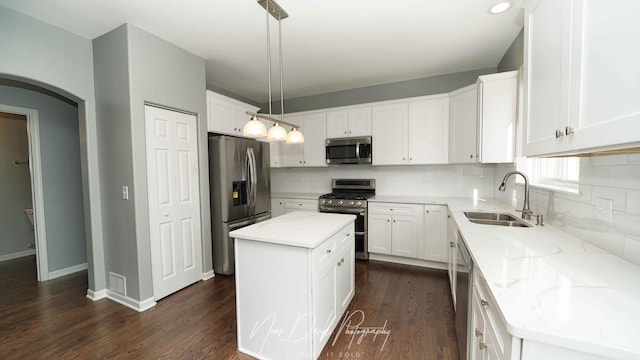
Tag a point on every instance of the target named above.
point(393, 208)
point(497, 335)
point(301, 204)
point(334, 245)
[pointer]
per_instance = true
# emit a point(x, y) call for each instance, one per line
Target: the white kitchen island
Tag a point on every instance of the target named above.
point(294, 279)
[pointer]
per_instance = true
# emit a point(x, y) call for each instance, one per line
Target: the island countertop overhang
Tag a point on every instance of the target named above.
point(298, 228)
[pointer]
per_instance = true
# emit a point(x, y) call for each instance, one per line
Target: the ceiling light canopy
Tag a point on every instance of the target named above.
point(500, 7)
point(254, 127)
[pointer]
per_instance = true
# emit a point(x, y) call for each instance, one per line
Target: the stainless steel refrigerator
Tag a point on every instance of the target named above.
point(240, 179)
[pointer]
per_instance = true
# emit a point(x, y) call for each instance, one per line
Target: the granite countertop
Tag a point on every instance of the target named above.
point(298, 228)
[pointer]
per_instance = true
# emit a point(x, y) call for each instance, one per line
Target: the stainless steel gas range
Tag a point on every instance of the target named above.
point(350, 196)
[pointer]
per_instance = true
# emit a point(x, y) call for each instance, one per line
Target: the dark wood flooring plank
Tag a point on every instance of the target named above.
point(54, 320)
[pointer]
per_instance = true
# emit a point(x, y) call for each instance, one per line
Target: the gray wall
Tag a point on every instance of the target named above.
point(132, 68)
point(398, 90)
point(61, 174)
point(58, 60)
point(15, 187)
point(514, 57)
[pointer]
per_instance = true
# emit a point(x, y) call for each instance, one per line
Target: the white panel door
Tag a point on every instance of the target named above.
point(463, 110)
point(360, 122)
point(404, 234)
point(314, 129)
point(389, 128)
point(174, 200)
point(435, 233)
point(337, 124)
point(379, 233)
point(429, 131)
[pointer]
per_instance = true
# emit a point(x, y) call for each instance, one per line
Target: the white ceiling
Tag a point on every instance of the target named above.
point(328, 45)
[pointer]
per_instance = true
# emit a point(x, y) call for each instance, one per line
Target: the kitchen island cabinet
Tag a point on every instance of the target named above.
point(295, 277)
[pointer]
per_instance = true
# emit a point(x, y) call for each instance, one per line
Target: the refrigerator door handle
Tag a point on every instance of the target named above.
point(247, 167)
point(254, 175)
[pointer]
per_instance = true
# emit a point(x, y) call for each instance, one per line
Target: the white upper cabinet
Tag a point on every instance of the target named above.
point(429, 130)
point(389, 125)
point(412, 132)
point(349, 123)
point(581, 77)
point(226, 115)
point(463, 110)
point(312, 152)
point(497, 113)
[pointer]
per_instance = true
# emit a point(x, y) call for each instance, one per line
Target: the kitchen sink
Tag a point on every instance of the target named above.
point(494, 218)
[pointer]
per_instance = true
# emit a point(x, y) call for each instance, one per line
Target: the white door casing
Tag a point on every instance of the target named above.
point(174, 200)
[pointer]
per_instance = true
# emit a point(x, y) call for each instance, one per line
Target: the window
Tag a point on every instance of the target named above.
point(558, 174)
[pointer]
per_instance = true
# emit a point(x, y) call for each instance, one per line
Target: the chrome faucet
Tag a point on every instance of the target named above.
point(526, 209)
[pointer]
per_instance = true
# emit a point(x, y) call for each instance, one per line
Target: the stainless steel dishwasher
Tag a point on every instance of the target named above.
point(463, 296)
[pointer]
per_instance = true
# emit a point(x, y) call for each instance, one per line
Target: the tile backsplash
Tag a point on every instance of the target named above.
point(431, 180)
point(614, 178)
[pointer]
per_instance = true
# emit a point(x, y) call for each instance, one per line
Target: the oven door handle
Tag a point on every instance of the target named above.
point(358, 150)
point(360, 233)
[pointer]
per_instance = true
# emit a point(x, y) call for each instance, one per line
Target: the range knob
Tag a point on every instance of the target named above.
point(351, 203)
point(322, 201)
point(359, 203)
point(340, 203)
point(329, 202)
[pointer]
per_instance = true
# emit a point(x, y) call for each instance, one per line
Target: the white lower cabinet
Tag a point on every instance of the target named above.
point(488, 336)
point(435, 233)
point(301, 291)
point(395, 229)
point(452, 255)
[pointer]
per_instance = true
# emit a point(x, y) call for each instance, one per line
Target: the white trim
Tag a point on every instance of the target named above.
point(67, 271)
point(408, 261)
point(96, 295)
point(18, 254)
point(136, 305)
point(208, 275)
point(35, 167)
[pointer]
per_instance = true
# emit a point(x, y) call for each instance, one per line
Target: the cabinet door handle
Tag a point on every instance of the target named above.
point(482, 345)
point(569, 130)
point(471, 156)
point(452, 244)
point(484, 303)
point(559, 134)
point(478, 332)
point(328, 251)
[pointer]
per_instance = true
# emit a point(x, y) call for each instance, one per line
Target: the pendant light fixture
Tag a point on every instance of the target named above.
point(255, 128)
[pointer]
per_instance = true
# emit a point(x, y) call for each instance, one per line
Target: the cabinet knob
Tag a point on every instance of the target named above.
point(484, 303)
point(452, 244)
point(471, 156)
point(482, 345)
point(569, 130)
point(559, 134)
point(478, 332)
point(427, 211)
point(328, 251)
point(388, 220)
point(394, 220)
point(403, 159)
point(349, 131)
point(410, 158)
point(345, 132)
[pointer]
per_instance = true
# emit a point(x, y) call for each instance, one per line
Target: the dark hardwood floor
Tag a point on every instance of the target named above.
point(409, 307)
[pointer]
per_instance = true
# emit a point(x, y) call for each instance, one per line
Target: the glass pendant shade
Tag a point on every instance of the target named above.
point(295, 137)
point(254, 128)
point(277, 133)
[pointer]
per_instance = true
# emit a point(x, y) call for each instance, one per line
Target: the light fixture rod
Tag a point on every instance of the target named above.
point(262, 116)
point(281, 70)
point(274, 9)
point(268, 54)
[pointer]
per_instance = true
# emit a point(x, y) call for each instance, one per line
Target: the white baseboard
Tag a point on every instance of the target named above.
point(67, 271)
point(136, 305)
point(17, 255)
point(408, 261)
point(96, 295)
point(208, 275)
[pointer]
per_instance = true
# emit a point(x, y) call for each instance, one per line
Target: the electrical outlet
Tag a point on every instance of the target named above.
point(125, 192)
point(604, 209)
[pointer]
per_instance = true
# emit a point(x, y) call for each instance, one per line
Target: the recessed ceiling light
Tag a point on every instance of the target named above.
point(500, 7)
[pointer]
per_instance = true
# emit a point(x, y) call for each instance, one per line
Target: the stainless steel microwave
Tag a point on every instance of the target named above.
point(355, 150)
